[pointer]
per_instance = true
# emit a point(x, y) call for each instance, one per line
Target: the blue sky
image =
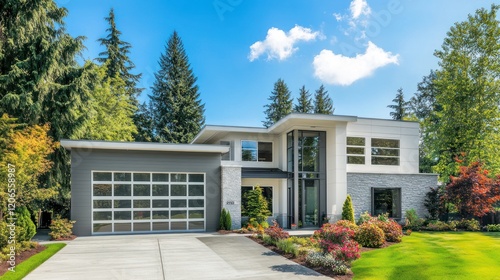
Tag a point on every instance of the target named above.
point(361, 50)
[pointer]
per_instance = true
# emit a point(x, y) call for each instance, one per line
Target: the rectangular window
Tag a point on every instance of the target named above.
point(385, 151)
point(355, 150)
point(386, 201)
point(267, 192)
point(228, 155)
point(256, 151)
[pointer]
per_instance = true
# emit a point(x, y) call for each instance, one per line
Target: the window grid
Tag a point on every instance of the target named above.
point(385, 151)
point(355, 150)
point(190, 216)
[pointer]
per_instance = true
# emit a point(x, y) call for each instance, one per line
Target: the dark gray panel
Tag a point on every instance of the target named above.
point(84, 161)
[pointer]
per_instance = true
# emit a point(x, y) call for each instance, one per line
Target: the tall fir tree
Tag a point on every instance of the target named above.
point(116, 56)
point(400, 107)
point(41, 81)
point(143, 120)
point(178, 113)
point(304, 102)
point(323, 104)
point(468, 94)
point(281, 103)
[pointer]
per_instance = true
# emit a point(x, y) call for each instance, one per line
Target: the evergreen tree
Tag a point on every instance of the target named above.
point(281, 104)
point(348, 210)
point(143, 120)
point(256, 206)
point(40, 80)
point(111, 111)
point(178, 111)
point(117, 60)
point(468, 94)
point(401, 107)
point(323, 104)
point(304, 102)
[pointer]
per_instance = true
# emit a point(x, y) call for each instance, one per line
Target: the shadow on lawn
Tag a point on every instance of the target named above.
point(399, 273)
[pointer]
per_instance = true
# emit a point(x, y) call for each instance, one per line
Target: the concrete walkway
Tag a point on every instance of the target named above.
point(169, 256)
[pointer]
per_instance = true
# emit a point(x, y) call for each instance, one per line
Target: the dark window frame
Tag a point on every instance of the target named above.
point(399, 203)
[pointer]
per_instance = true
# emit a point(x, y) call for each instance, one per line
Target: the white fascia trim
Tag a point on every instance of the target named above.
point(143, 146)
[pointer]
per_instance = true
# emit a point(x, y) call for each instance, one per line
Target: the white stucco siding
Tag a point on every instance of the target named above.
point(406, 132)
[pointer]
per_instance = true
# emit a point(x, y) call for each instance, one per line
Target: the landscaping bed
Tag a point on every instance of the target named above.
point(4, 266)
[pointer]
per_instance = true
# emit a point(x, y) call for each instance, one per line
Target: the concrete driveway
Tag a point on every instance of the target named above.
point(169, 256)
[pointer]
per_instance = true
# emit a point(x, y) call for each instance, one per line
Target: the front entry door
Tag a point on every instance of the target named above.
point(309, 202)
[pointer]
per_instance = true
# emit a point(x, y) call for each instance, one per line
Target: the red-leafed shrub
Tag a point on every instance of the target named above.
point(338, 241)
point(370, 235)
point(392, 230)
point(275, 232)
point(347, 224)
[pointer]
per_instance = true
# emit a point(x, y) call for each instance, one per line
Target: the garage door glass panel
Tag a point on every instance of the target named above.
point(142, 203)
point(141, 190)
point(196, 178)
point(103, 227)
point(123, 204)
point(160, 215)
point(102, 216)
point(178, 190)
point(142, 215)
point(178, 177)
point(142, 227)
point(122, 215)
point(160, 190)
point(196, 225)
point(178, 214)
point(196, 214)
point(99, 204)
point(142, 177)
point(122, 177)
point(160, 177)
point(123, 227)
point(161, 226)
point(125, 201)
point(163, 203)
point(102, 176)
point(102, 190)
point(178, 226)
point(123, 190)
point(196, 190)
point(196, 203)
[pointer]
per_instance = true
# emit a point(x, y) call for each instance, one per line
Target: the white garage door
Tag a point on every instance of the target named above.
point(124, 202)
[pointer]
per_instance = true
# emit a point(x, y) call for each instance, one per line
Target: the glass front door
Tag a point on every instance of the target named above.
point(309, 202)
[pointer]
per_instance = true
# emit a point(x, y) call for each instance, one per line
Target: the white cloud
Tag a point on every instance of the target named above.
point(337, 69)
point(358, 8)
point(281, 45)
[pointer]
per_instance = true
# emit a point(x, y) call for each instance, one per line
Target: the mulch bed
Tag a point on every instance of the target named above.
point(4, 266)
point(302, 260)
point(71, 237)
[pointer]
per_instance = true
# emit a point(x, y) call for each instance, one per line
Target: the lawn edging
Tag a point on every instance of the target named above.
point(33, 262)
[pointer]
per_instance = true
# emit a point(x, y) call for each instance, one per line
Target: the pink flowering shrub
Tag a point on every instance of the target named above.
point(338, 241)
point(392, 230)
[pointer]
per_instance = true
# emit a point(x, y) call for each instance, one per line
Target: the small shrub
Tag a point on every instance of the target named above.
point(383, 217)
point(61, 228)
point(25, 228)
point(264, 224)
point(469, 225)
point(348, 210)
point(493, 227)
point(276, 232)
point(392, 230)
point(267, 240)
point(407, 232)
point(253, 222)
point(339, 268)
point(370, 235)
point(347, 224)
point(225, 220)
point(364, 217)
point(346, 252)
point(302, 241)
point(287, 246)
point(318, 259)
point(334, 233)
point(439, 226)
point(412, 221)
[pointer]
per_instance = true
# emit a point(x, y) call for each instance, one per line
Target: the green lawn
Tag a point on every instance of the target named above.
point(33, 262)
point(434, 255)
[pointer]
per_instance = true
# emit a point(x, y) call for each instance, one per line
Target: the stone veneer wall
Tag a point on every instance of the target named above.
point(413, 189)
point(231, 193)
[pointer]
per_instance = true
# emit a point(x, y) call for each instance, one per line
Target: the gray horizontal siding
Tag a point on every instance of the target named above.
point(84, 161)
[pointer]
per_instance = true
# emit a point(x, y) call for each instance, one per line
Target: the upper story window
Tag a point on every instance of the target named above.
point(355, 150)
point(228, 155)
point(256, 151)
point(385, 151)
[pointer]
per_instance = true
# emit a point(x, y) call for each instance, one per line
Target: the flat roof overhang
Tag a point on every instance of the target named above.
point(143, 146)
point(263, 173)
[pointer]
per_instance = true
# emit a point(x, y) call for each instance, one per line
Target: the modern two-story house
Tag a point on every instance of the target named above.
point(306, 164)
